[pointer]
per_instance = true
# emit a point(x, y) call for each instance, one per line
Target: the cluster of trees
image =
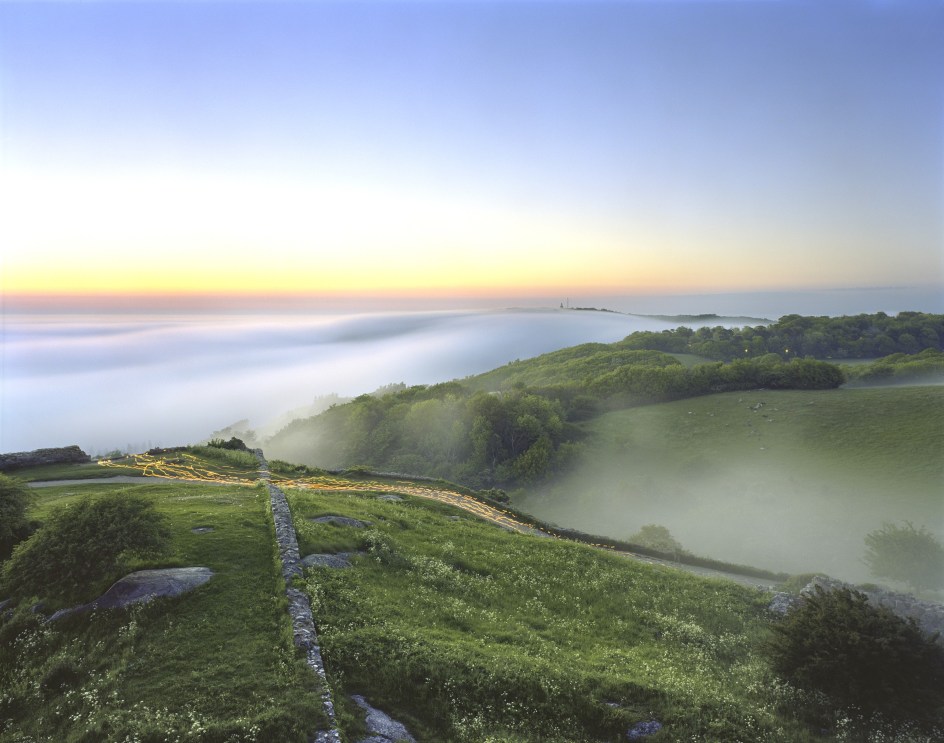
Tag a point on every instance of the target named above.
point(900, 367)
point(796, 336)
point(517, 423)
point(446, 430)
point(459, 431)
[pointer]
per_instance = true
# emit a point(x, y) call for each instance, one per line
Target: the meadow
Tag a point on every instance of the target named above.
point(216, 664)
point(473, 633)
point(464, 631)
point(782, 479)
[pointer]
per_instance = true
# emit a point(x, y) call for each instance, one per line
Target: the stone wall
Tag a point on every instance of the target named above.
point(299, 607)
point(63, 455)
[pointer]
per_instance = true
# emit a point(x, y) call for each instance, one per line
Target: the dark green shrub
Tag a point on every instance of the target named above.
point(14, 526)
point(83, 544)
point(234, 444)
point(862, 657)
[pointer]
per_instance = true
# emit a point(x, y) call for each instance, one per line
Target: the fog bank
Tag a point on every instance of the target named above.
point(111, 381)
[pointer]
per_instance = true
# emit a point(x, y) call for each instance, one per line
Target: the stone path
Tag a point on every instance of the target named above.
point(299, 607)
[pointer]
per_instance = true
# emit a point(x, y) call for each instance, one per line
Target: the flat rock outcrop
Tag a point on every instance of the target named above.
point(142, 586)
point(340, 521)
point(336, 560)
point(39, 457)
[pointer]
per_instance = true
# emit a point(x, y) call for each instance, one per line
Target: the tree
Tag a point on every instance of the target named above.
point(907, 554)
point(83, 545)
point(656, 537)
point(14, 526)
point(860, 656)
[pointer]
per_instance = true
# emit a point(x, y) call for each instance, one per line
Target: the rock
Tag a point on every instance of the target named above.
point(143, 586)
point(338, 560)
point(643, 730)
point(390, 497)
point(202, 529)
point(782, 603)
point(382, 728)
point(341, 521)
point(38, 457)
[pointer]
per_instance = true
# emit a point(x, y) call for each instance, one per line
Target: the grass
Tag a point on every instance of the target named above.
point(787, 480)
point(463, 631)
point(91, 470)
point(471, 633)
point(216, 664)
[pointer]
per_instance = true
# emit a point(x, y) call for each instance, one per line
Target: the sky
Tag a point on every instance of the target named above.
point(484, 149)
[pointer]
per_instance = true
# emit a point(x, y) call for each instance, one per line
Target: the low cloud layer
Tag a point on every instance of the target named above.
point(114, 381)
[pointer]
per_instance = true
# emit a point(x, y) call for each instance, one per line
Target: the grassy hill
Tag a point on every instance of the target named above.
point(216, 664)
point(789, 480)
point(460, 629)
point(465, 631)
point(472, 633)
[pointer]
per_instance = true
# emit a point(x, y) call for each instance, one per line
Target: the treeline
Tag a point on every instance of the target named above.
point(483, 438)
point(796, 336)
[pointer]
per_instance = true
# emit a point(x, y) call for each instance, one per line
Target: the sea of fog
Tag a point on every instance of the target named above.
point(130, 381)
point(123, 381)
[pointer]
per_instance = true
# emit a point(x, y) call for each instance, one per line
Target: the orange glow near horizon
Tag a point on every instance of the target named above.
point(183, 234)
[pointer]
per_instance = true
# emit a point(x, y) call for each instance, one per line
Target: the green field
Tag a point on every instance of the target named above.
point(787, 480)
point(216, 664)
point(473, 634)
point(460, 629)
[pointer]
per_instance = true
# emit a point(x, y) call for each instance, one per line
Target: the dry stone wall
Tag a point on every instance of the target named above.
point(303, 624)
point(40, 457)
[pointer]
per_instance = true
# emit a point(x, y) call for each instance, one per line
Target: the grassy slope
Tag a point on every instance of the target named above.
point(214, 664)
point(793, 485)
point(467, 631)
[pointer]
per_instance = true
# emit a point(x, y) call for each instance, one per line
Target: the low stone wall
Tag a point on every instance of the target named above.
point(303, 624)
point(39, 457)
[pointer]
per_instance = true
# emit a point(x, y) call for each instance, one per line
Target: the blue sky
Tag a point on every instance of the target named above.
point(480, 147)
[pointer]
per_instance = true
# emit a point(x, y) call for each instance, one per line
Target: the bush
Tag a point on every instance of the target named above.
point(906, 554)
point(84, 544)
point(656, 537)
point(14, 526)
point(860, 656)
point(234, 444)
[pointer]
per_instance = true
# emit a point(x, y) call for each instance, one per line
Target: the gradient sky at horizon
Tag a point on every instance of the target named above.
point(505, 148)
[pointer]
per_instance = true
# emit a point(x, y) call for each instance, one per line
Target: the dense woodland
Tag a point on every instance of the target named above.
point(520, 423)
point(796, 336)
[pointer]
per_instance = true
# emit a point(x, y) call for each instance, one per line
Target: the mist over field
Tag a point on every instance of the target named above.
point(790, 481)
point(107, 382)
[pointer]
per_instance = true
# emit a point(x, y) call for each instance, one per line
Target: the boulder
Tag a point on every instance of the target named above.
point(338, 560)
point(643, 730)
point(142, 586)
point(381, 727)
point(782, 602)
point(340, 521)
